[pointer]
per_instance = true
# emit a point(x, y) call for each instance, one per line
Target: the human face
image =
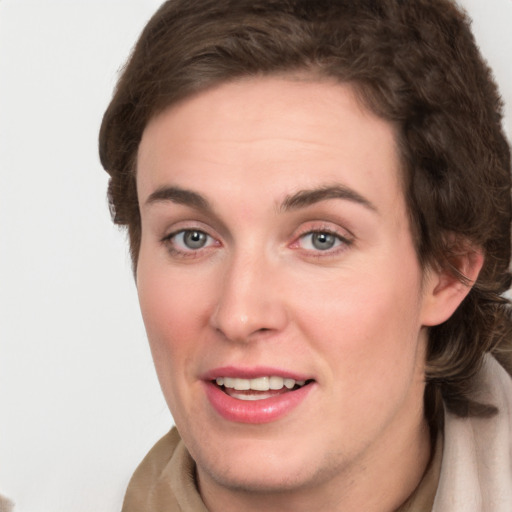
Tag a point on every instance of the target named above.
point(275, 243)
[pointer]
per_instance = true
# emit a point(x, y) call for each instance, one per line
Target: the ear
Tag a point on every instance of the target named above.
point(443, 291)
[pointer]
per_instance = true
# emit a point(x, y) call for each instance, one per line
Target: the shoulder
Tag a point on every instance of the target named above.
point(476, 472)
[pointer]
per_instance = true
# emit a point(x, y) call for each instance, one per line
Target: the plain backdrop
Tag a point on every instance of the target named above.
point(79, 401)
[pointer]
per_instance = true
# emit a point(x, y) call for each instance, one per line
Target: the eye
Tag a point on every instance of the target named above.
point(321, 241)
point(188, 240)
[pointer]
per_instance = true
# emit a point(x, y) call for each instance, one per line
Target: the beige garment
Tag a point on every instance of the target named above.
point(476, 474)
point(5, 504)
point(164, 481)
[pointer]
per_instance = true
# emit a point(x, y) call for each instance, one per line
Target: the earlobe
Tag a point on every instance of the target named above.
point(447, 287)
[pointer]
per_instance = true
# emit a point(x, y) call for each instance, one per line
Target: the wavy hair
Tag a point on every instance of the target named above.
point(415, 64)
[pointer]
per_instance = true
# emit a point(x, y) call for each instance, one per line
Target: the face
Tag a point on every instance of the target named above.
point(279, 284)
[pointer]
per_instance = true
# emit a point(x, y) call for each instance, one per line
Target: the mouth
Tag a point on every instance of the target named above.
point(256, 395)
point(259, 388)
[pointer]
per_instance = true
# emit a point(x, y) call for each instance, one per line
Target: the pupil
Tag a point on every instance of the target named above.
point(323, 241)
point(194, 239)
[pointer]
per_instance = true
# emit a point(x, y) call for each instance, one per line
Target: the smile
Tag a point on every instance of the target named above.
point(259, 388)
point(260, 399)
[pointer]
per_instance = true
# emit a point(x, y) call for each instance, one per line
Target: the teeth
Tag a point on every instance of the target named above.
point(240, 396)
point(258, 384)
point(289, 383)
point(238, 384)
point(276, 382)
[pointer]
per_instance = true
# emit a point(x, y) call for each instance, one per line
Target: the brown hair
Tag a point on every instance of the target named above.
point(414, 63)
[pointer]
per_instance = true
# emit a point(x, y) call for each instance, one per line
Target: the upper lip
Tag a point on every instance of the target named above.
point(252, 373)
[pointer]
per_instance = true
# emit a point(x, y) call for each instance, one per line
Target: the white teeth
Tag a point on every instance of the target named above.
point(276, 382)
point(259, 383)
point(289, 383)
point(250, 397)
point(242, 384)
point(238, 384)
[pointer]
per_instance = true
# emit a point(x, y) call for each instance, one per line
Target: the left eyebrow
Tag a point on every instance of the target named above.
point(308, 197)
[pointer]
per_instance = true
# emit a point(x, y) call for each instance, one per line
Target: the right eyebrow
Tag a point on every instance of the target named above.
point(179, 196)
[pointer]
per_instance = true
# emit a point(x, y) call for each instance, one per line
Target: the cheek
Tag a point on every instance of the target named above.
point(168, 297)
point(366, 323)
point(171, 310)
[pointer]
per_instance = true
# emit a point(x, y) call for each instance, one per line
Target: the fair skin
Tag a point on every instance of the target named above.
point(275, 240)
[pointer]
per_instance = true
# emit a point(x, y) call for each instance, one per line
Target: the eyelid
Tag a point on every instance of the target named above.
point(343, 235)
point(169, 242)
point(186, 224)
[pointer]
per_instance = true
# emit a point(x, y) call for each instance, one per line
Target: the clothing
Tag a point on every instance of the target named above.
point(6, 505)
point(476, 474)
point(164, 481)
point(475, 471)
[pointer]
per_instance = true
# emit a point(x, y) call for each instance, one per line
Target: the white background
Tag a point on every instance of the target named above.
point(79, 402)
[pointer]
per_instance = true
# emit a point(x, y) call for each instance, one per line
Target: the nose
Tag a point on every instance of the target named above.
point(250, 301)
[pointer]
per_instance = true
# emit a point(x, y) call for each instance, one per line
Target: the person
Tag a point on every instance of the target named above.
point(317, 196)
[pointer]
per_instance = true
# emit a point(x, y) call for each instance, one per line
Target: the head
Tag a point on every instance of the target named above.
point(412, 65)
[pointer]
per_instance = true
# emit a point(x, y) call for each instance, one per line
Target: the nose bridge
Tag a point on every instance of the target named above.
point(249, 301)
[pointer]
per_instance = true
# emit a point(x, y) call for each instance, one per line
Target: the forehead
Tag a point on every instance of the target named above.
point(273, 134)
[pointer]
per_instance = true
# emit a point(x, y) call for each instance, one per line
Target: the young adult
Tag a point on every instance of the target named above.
point(317, 196)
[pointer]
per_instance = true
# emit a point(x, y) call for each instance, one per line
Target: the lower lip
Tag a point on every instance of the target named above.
point(255, 411)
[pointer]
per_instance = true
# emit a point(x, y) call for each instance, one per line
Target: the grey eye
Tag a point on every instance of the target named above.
point(194, 239)
point(323, 241)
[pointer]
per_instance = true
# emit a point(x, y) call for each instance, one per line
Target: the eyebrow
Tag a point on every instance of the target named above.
point(179, 196)
point(304, 198)
point(296, 201)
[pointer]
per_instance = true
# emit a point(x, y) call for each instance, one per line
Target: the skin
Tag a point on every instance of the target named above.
point(353, 317)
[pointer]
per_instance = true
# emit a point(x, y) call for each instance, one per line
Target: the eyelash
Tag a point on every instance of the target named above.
point(169, 242)
point(341, 243)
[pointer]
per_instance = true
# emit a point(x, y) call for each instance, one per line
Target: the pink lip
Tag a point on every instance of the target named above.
point(253, 411)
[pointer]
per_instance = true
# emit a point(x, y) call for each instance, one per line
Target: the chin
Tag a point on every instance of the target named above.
point(262, 466)
point(257, 478)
